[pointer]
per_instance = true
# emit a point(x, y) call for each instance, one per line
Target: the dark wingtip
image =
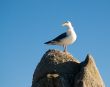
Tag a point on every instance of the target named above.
point(47, 42)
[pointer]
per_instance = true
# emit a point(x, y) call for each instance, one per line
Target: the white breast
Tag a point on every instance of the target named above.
point(69, 39)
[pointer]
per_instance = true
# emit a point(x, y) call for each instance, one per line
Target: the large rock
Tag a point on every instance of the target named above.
point(60, 69)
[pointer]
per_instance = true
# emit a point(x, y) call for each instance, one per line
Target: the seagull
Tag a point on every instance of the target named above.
point(66, 38)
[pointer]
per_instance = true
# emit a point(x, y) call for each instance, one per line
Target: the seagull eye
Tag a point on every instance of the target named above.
point(66, 22)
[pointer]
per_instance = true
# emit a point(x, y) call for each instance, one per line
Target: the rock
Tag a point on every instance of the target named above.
point(60, 69)
point(89, 75)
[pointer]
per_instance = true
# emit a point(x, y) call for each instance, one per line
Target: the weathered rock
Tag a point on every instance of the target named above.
point(60, 69)
point(89, 75)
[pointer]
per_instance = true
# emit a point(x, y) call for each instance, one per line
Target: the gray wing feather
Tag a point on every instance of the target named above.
point(60, 37)
point(57, 39)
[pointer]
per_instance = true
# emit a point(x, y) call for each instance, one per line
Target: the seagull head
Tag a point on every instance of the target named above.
point(67, 24)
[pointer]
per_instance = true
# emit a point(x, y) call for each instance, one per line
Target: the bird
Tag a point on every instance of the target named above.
point(66, 38)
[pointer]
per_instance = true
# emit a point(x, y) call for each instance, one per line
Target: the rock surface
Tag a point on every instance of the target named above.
point(60, 69)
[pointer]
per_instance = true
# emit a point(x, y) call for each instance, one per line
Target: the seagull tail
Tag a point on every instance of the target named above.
point(50, 42)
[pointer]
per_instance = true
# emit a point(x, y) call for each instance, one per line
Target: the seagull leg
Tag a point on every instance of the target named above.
point(65, 48)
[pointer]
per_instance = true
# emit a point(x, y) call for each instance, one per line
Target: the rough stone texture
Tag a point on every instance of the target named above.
point(88, 75)
point(60, 69)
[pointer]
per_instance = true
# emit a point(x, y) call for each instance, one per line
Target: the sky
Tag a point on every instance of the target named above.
point(26, 24)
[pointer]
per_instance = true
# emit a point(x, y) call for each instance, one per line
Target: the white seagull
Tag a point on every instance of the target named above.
point(66, 38)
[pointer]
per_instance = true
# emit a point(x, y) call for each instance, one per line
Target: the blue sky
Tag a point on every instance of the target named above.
point(26, 24)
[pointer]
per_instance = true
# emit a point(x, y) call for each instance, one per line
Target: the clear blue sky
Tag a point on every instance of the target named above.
point(26, 24)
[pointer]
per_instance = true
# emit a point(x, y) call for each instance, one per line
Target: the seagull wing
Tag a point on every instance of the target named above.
point(57, 39)
point(60, 37)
